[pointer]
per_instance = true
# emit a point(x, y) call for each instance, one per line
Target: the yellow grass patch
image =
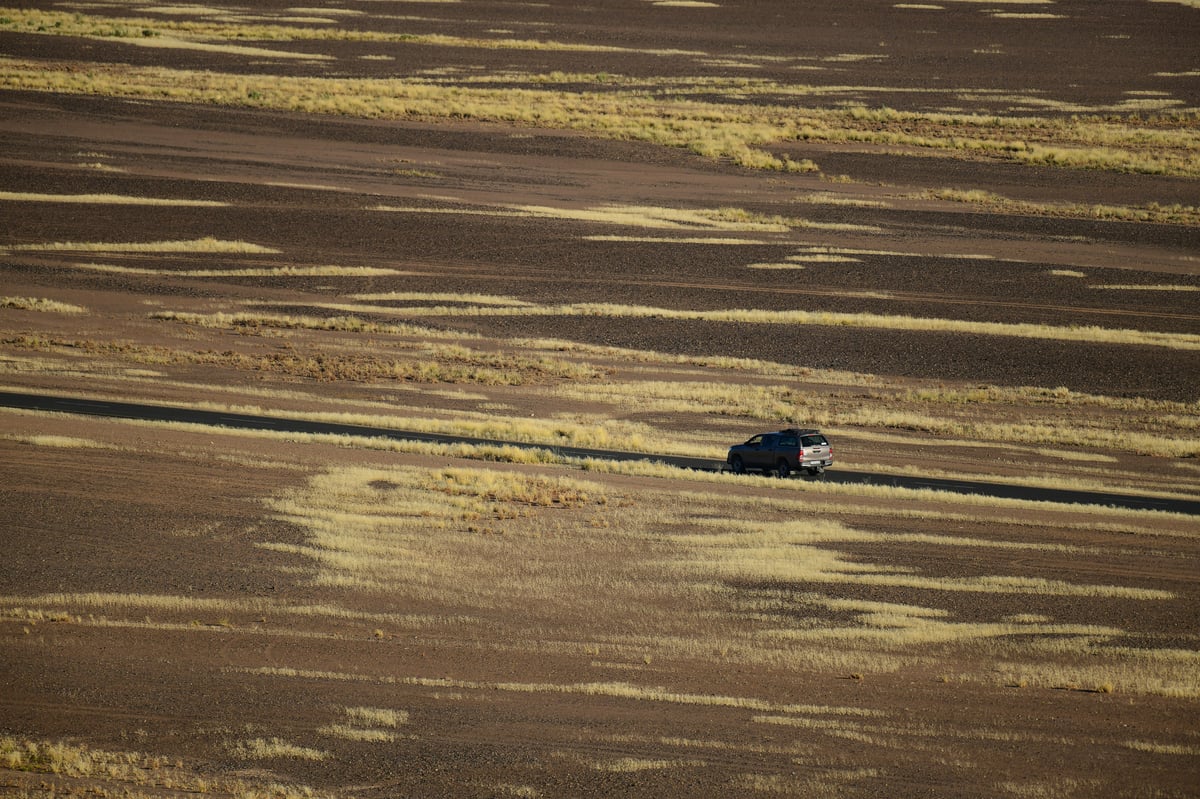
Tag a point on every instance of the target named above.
point(424, 362)
point(1091, 334)
point(723, 219)
point(466, 299)
point(75, 606)
point(1174, 213)
point(199, 33)
point(736, 131)
point(823, 258)
point(828, 198)
point(361, 734)
point(135, 775)
point(413, 209)
point(334, 12)
point(1136, 287)
point(799, 262)
point(251, 321)
point(792, 552)
point(40, 304)
point(652, 217)
point(856, 251)
point(280, 271)
point(618, 690)
point(1165, 672)
point(100, 167)
point(1088, 334)
point(377, 716)
point(167, 41)
point(272, 748)
point(103, 199)
point(207, 244)
point(61, 442)
point(1160, 748)
point(707, 240)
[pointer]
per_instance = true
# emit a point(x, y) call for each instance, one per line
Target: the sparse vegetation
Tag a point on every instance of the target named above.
point(273, 748)
point(279, 271)
point(133, 774)
point(387, 225)
point(40, 304)
point(207, 244)
point(449, 363)
point(1184, 341)
point(102, 199)
point(1173, 213)
point(739, 132)
point(1135, 287)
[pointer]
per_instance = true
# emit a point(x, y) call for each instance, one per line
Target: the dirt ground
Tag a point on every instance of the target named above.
point(190, 609)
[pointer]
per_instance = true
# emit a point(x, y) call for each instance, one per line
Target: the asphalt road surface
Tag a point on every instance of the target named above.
point(166, 413)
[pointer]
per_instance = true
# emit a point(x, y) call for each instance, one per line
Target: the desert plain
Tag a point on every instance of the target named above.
point(961, 238)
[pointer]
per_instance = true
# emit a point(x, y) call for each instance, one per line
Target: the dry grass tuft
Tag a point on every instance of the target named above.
point(40, 304)
point(272, 748)
point(254, 321)
point(1090, 334)
point(133, 775)
point(204, 245)
point(426, 364)
point(103, 199)
point(359, 734)
point(1154, 212)
point(62, 442)
point(377, 716)
point(1140, 287)
point(279, 271)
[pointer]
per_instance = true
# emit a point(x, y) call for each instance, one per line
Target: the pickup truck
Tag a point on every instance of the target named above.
point(782, 453)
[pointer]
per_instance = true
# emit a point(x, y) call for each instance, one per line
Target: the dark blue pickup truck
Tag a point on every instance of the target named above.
point(782, 453)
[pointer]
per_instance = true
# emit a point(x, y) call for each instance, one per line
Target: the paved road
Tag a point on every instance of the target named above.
point(166, 413)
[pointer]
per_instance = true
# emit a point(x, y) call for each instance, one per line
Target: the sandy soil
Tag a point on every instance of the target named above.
point(156, 598)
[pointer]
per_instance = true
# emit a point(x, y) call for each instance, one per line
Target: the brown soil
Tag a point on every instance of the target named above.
point(497, 699)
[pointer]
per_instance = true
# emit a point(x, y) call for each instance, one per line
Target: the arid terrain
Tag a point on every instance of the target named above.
point(961, 238)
